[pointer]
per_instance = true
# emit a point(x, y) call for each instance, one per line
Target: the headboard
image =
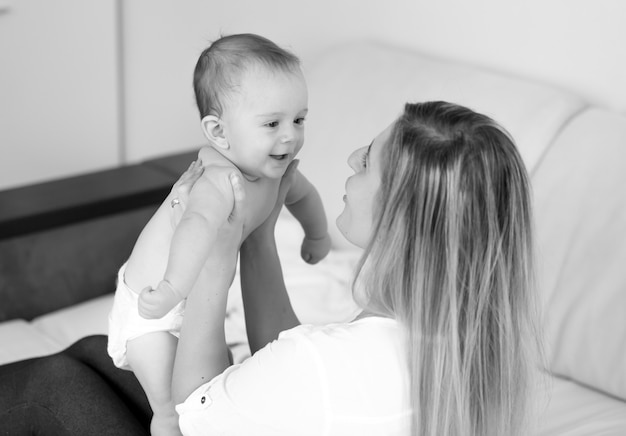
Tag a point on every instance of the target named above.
point(61, 242)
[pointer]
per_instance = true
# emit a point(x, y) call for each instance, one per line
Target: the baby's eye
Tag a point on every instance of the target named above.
point(299, 120)
point(272, 124)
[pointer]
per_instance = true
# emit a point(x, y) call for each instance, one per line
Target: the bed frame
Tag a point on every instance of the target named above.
point(61, 242)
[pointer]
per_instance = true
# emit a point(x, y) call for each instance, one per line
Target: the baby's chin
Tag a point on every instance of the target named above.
point(266, 175)
point(250, 177)
point(277, 168)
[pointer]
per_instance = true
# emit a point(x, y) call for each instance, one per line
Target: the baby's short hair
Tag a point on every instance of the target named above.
point(220, 66)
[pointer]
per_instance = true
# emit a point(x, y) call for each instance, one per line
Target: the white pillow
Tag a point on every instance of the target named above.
point(19, 340)
point(580, 211)
point(66, 326)
point(357, 90)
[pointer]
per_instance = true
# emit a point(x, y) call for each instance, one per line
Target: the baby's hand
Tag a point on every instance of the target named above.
point(156, 303)
point(314, 250)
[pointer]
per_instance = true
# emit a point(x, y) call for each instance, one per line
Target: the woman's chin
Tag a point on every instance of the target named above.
point(340, 222)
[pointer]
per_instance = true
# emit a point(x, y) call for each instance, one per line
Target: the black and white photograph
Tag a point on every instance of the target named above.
point(322, 218)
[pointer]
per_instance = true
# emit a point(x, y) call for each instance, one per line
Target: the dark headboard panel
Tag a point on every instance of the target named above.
point(62, 242)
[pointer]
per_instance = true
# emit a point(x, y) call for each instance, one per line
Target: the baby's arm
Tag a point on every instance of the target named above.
point(305, 204)
point(209, 204)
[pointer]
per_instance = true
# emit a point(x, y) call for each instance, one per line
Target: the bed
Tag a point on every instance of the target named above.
point(62, 242)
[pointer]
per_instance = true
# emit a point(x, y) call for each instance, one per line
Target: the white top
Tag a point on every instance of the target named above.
point(338, 379)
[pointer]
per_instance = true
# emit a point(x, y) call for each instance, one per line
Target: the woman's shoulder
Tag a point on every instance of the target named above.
point(376, 338)
point(357, 327)
point(377, 325)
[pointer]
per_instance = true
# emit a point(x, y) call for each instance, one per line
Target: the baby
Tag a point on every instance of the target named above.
point(252, 99)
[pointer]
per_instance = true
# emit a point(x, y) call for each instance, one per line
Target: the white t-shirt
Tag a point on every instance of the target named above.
point(338, 379)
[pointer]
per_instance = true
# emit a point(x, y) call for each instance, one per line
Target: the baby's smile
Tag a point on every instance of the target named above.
point(279, 156)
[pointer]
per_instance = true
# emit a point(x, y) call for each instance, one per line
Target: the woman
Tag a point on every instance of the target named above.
point(446, 343)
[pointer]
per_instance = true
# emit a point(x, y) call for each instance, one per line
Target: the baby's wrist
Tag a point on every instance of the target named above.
point(166, 285)
point(315, 237)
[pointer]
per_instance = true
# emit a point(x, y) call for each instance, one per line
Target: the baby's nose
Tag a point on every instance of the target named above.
point(287, 137)
point(288, 134)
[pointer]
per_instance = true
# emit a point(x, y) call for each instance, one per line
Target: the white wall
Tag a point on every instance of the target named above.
point(574, 44)
point(58, 60)
point(58, 89)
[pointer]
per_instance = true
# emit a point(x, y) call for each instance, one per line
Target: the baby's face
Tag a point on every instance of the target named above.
point(263, 122)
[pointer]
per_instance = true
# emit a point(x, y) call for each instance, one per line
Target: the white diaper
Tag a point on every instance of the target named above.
point(125, 323)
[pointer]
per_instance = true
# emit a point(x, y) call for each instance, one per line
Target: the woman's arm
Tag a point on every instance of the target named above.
point(267, 307)
point(266, 303)
point(202, 352)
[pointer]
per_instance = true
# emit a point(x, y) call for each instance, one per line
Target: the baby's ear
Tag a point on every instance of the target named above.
point(214, 131)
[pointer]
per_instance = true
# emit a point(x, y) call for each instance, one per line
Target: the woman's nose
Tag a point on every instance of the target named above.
point(354, 160)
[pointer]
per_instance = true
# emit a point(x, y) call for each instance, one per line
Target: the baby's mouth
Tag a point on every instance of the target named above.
point(279, 156)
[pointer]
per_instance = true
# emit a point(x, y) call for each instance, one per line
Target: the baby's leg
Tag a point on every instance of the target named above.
point(151, 358)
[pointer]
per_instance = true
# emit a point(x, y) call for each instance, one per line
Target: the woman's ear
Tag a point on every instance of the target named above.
point(214, 131)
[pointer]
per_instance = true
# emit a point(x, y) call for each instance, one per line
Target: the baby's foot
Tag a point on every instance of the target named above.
point(155, 303)
point(165, 425)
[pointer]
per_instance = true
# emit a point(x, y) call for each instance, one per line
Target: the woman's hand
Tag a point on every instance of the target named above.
point(208, 200)
point(181, 189)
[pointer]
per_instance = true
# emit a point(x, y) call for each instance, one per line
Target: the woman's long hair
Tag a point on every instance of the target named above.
point(451, 259)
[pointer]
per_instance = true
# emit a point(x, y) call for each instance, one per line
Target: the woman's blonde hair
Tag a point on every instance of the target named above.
point(451, 259)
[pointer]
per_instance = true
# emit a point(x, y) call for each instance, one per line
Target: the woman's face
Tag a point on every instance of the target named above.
point(355, 222)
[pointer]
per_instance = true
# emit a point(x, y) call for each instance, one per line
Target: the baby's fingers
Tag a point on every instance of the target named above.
point(192, 173)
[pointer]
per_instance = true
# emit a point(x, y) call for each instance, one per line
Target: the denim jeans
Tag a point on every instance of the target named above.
point(75, 392)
